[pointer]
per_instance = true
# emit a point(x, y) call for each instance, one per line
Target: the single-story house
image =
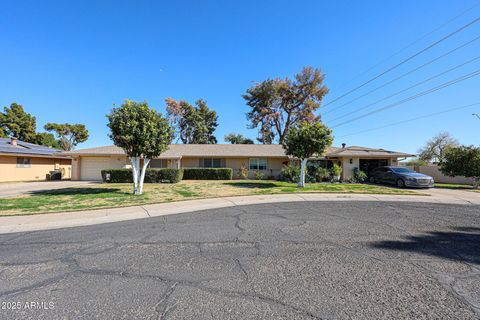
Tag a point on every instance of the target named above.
point(269, 159)
point(23, 161)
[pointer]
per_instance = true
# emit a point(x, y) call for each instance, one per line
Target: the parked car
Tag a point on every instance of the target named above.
point(401, 177)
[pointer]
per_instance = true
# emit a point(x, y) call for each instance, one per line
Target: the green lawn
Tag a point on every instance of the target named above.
point(118, 195)
point(453, 186)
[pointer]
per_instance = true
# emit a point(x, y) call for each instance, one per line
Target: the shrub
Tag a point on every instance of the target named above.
point(259, 175)
point(310, 178)
point(336, 171)
point(359, 175)
point(290, 173)
point(163, 175)
point(243, 172)
point(117, 175)
point(207, 174)
point(152, 175)
point(321, 174)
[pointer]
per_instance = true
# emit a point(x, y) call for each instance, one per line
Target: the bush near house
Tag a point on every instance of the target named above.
point(320, 174)
point(336, 171)
point(207, 174)
point(290, 173)
point(259, 175)
point(242, 172)
point(359, 176)
point(152, 175)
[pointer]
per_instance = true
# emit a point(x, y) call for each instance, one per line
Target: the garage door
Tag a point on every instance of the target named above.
point(91, 167)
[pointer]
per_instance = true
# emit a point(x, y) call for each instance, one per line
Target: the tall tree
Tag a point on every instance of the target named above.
point(193, 124)
point(47, 139)
point(15, 122)
point(434, 149)
point(237, 138)
point(305, 140)
point(3, 128)
point(141, 132)
point(462, 161)
point(278, 104)
point(69, 135)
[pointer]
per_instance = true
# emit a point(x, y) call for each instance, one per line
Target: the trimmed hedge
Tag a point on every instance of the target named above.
point(208, 174)
point(152, 175)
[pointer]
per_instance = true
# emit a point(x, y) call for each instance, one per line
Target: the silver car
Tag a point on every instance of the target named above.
point(401, 177)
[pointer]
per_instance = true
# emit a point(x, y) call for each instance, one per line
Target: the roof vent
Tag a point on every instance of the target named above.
point(13, 141)
point(344, 145)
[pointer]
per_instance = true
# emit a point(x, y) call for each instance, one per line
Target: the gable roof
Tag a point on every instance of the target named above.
point(237, 150)
point(26, 148)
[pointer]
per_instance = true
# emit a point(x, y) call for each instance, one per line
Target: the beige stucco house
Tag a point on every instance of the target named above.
point(23, 161)
point(269, 159)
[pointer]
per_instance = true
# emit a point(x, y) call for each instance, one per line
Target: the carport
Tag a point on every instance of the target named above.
point(367, 165)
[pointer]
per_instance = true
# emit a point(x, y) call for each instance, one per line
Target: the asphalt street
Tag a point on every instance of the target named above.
point(302, 260)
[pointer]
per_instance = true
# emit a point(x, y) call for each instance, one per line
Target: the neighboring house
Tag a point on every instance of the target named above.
point(23, 161)
point(269, 159)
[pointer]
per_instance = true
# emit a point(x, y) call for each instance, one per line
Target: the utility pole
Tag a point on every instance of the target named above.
point(477, 115)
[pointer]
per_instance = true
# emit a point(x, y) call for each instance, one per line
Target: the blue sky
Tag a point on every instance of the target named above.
point(70, 61)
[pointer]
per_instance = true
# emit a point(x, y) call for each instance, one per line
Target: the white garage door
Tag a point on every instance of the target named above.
point(91, 167)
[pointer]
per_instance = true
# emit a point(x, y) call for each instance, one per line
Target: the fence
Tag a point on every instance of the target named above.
point(438, 176)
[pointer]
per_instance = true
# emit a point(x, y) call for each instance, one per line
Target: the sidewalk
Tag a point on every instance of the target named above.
point(91, 217)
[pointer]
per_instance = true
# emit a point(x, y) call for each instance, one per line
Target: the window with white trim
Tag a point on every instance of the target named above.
point(212, 163)
point(257, 163)
point(158, 163)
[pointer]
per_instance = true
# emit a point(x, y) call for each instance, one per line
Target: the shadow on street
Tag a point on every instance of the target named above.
point(460, 244)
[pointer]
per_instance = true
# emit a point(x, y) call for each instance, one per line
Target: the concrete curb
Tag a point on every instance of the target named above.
point(92, 217)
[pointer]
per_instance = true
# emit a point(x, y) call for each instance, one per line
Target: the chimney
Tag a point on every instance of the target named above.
point(13, 141)
point(344, 145)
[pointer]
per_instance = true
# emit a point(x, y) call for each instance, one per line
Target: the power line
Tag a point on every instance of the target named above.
point(407, 59)
point(408, 88)
point(410, 120)
point(411, 44)
point(416, 96)
point(404, 75)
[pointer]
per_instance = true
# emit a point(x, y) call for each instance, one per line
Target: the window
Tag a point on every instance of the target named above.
point(212, 163)
point(158, 163)
point(257, 164)
point(23, 163)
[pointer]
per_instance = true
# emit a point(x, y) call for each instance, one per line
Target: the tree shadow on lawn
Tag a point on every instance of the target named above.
point(78, 191)
point(252, 185)
point(463, 244)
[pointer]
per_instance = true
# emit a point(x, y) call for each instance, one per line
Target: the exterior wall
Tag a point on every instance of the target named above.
point(38, 170)
point(274, 165)
point(438, 176)
point(118, 162)
point(65, 165)
point(76, 168)
point(347, 167)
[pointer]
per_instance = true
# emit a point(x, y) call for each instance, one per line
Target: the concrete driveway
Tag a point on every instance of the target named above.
point(19, 188)
point(301, 260)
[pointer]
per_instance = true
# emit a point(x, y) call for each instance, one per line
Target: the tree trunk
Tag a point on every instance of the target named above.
point(303, 165)
point(135, 171)
point(142, 176)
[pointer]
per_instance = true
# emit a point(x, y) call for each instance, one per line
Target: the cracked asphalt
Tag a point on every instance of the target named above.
point(302, 260)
